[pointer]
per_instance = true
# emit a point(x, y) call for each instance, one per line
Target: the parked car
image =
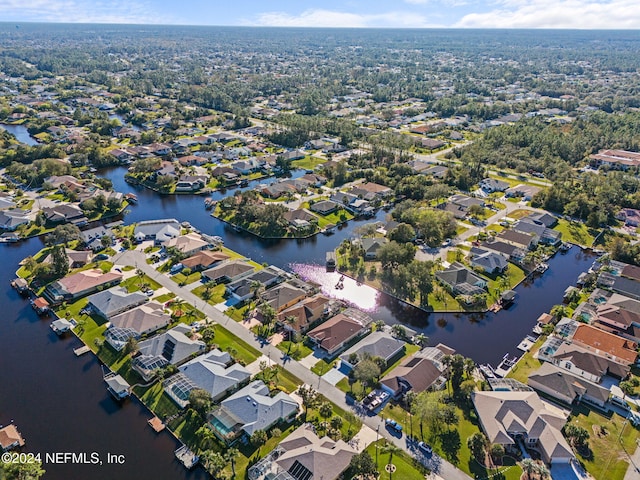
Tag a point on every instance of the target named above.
point(369, 398)
point(149, 293)
point(177, 268)
point(425, 448)
point(390, 423)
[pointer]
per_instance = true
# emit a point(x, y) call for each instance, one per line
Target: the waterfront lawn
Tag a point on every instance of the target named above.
point(407, 468)
point(295, 350)
point(133, 284)
point(308, 162)
point(249, 454)
point(514, 273)
point(239, 349)
point(235, 255)
point(527, 363)
point(215, 295)
point(576, 232)
point(159, 402)
point(607, 459)
point(182, 279)
point(448, 305)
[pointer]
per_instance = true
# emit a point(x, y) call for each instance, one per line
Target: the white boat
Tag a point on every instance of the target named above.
point(505, 366)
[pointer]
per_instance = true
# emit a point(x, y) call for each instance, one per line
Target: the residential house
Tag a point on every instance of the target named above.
point(191, 183)
point(313, 179)
point(157, 230)
point(587, 364)
point(283, 296)
point(525, 191)
point(138, 321)
point(462, 281)
point(421, 371)
point(525, 241)
point(489, 261)
point(64, 213)
point(204, 259)
point(432, 143)
point(378, 344)
point(333, 335)
point(606, 344)
point(304, 314)
point(437, 171)
point(251, 409)
point(512, 252)
point(81, 284)
point(566, 387)
point(11, 219)
point(508, 418)
point(214, 372)
point(300, 218)
point(92, 238)
point(491, 185)
point(544, 218)
point(169, 348)
point(542, 233)
point(305, 456)
point(616, 159)
point(371, 191)
point(371, 246)
point(188, 244)
point(6, 203)
point(324, 207)
point(622, 285)
point(243, 288)
point(630, 217)
point(114, 301)
point(229, 271)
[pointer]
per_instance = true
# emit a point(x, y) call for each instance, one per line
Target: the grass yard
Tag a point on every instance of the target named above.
point(406, 467)
point(308, 162)
point(518, 214)
point(182, 279)
point(238, 313)
point(159, 402)
point(576, 232)
point(215, 295)
point(527, 364)
point(322, 366)
point(514, 273)
point(608, 459)
point(227, 341)
point(133, 284)
point(296, 351)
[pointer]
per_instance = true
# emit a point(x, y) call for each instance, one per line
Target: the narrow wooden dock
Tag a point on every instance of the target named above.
point(81, 350)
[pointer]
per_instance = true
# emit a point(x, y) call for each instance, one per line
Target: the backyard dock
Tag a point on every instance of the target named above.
point(81, 351)
point(156, 424)
point(186, 457)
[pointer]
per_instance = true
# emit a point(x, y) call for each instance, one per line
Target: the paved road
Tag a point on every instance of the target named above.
point(138, 259)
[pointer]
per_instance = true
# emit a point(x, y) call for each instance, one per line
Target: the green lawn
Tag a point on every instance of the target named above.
point(308, 162)
point(406, 467)
point(132, 284)
point(182, 279)
point(216, 294)
point(514, 273)
point(576, 232)
point(608, 460)
point(297, 351)
point(322, 366)
point(165, 297)
point(527, 364)
point(159, 402)
point(227, 341)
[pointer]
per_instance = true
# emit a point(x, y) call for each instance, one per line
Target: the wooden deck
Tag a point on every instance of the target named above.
point(81, 350)
point(156, 424)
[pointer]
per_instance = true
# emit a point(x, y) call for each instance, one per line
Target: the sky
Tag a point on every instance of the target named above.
point(572, 14)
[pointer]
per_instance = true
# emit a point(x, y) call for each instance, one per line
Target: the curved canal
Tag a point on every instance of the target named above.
point(59, 401)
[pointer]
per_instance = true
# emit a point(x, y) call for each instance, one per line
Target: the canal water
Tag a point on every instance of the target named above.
point(21, 133)
point(59, 401)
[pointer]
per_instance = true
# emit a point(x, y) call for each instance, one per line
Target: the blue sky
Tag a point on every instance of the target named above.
point(581, 14)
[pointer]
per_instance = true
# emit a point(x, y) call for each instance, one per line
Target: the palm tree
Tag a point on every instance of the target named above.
point(390, 448)
point(529, 467)
point(421, 339)
point(177, 304)
point(469, 367)
point(447, 360)
point(230, 456)
point(141, 276)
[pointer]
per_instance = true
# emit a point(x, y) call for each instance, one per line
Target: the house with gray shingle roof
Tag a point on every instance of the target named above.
point(214, 372)
point(378, 344)
point(562, 385)
point(461, 280)
point(249, 410)
point(169, 348)
point(490, 262)
point(109, 303)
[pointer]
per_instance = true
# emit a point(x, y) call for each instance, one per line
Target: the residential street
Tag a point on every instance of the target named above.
point(138, 259)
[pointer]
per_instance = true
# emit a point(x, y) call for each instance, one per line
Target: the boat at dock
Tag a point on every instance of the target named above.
point(541, 268)
point(565, 247)
point(62, 325)
point(526, 343)
point(487, 371)
point(505, 365)
point(331, 261)
point(186, 457)
point(21, 286)
point(131, 198)
point(209, 203)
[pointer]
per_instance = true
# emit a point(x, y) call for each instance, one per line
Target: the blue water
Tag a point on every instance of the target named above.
point(21, 133)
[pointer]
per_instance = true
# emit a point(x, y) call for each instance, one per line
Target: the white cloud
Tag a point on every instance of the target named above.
point(574, 14)
point(417, 2)
point(79, 11)
point(330, 18)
